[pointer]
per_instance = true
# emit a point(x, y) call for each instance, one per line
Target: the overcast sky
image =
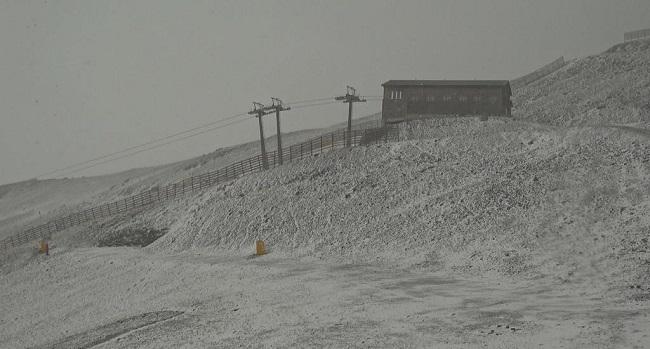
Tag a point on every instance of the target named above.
point(79, 79)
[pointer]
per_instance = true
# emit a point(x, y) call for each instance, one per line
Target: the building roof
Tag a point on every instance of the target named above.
point(409, 83)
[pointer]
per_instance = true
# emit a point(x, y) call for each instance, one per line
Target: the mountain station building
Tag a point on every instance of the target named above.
point(417, 99)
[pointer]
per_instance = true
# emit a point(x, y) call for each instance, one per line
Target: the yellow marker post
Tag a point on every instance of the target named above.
point(261, 249)
point(41, 246)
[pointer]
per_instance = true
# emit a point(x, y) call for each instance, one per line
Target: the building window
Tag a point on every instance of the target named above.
point(447, 98)
point(414, 98)
point(395, 94)
point(431, 98)
point(493, 100)
point(477, 99)
point(462, 98)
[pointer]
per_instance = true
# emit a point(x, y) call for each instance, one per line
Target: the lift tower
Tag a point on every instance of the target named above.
point(259, 110)
point(278, 107)
point(350, 98)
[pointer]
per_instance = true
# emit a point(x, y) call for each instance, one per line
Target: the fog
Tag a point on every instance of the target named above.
point(80, 79)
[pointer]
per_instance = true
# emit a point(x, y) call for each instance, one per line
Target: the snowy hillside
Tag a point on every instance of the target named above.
point(502, 196)
point(33, 202)
point(508, 233)
point(609, 88)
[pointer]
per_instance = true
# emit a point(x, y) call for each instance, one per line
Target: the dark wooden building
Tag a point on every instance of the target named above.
point(414, 99)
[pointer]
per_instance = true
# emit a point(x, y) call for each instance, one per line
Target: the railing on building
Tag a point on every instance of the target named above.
point(636, 35)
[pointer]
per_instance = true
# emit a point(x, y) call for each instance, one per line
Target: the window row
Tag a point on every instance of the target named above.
point(430, 99)
point(395, 94)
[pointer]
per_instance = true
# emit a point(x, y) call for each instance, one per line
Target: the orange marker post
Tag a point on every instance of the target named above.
point(261, 249)
point(44, 247)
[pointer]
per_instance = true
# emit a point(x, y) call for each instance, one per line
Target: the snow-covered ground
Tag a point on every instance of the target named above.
point(231, 300)
point(449, 239)
point(510, 233)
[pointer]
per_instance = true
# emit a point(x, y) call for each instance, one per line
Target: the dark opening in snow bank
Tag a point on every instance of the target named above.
point(131, 237)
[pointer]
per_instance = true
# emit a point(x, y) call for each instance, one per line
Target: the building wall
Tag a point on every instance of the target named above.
point(393, 109)
point(430, 101)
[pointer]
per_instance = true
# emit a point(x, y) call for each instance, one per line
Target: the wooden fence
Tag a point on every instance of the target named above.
point(337, 139)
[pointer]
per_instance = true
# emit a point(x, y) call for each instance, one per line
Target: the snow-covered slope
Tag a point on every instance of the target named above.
point(609, 88)
point(34, 202)
point(515, 197)
point(512, 233)
point(502, 196)
point(556, 190)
